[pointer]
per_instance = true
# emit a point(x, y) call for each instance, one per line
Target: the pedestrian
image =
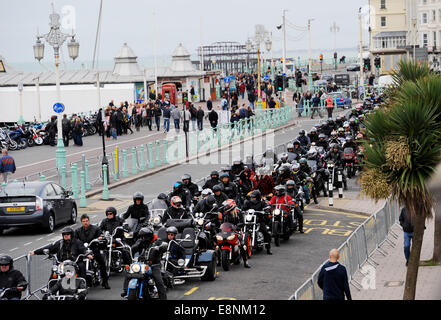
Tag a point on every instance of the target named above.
point(300, 105)
point(224, 103)
point(114, 123)
point(107, 114)
point(200, 118)
point(157, 113)
point(406, 224)
point(176, 115)
point(51, 128)
point(194, 113)
point(166, 116)
point(316, 106)
point(7, 165)
point(333, 279)
point(77, 132)
point(126, 121)
point(242, 90)
point(65, 125)
point(272, 103)
point(186, 117)
point(213, 118)
point(192, 93)
point(120, 120)
point(329, 105)
point(209, 104)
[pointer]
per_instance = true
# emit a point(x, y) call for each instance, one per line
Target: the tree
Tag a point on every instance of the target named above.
point(403, 152)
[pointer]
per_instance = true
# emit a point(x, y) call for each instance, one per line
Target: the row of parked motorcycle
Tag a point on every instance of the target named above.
point(21, 136)
point(226, 233)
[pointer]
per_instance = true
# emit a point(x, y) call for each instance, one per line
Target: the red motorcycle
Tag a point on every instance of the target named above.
point(228, 245)
point(349, 157)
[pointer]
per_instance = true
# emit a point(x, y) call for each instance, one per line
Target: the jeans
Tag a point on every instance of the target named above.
point(330, 112)
point(166, 124)
point(114, 135)
point(200, 124)
point(177, 121)
point(5, 176)
point(158, 122)
point(242, 94)
point(407, 242)
point(252, 104)
point(193, 125)
point(316, 109)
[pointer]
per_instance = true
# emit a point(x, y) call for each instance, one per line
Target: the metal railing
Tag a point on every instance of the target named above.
point(357, 249)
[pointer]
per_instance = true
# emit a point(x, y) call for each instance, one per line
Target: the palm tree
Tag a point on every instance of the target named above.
point(404, 151)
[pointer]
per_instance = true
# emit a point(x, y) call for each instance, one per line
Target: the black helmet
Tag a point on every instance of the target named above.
point(172, 229)
point(296, 142)
point(146, 234)
point(138, 195)
point(210, 200)
point(302, 132)
point(256, 194)
point(177, 186)
point(111, 210)
point(334, 145)
point(214, 173)
point(162, 196)
point(217, 188)
point(67, 230)
point(186, 177)
point(303, 161)
point(280, 190)
point(285, 169)
point(6, 260)
point(226, 169)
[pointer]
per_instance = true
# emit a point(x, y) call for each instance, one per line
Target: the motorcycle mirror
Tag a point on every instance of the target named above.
point(81, 290)
point(86, 245)
point(44, 290)
point(46, 251)
point(187, 236)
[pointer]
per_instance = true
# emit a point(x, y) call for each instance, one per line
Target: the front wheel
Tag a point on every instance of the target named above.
point(73, 215)
point(248, 243)
point(133, 295)
point(277, 240)
point(225, 260)
point(13, 145)
point(38, 141)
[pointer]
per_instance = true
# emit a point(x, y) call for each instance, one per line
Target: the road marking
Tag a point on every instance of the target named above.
point(189, 292)
point(212, 298)
point(13, 249)
point(342, 212)
point(26, 244)
point(39, 239)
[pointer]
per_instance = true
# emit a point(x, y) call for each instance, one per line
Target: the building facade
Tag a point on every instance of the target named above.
point(429, 28)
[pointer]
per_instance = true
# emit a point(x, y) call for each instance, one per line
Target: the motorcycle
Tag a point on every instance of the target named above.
point(93, 273)
point(279, 223)
point(320, 178)
point(7, 142)
point(114, 250)
point(37, 138)
point(228, 245)
point(349, 158)
point(3, 292)
point(253, 237)
point(18, 135)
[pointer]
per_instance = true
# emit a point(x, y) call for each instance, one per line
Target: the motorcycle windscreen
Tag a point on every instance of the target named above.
point(312, 164)
point(133, 284)
point(226, 227)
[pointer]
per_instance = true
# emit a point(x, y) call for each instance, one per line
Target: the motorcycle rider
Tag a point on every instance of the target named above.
point(219, 196)
point(303, 139)
point(67, 248)
point(284, 175)
point(138, 211)
point(290, 151)
point(298, 149)
point(176, 210)
point(331, 124)
point(264, 182)
point(190, 186)
point(176, 251)
point(258, 204)
point(336, 156)
point(313, 136)
point(284, 200)
point(299, 178)
point(61, 289)
point(183, 193)
point(322, 141)
point(350, 144)
point(340, 121)
point(326, 129)
point(229, 170)
point(291, 190)
point(354, 125)
point(304, 167)
point(244, 184)
point(237, 167)
point(214, 180)
point(205, 205)
point(334, 138)
point(228, 187)
point(86, 233)
point(147, 239)
point(109, 224)
point(230, 213)
point(11, 278)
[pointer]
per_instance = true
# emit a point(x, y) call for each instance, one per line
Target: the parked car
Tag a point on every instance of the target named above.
point(341, 100)
point(353, 67)
point(41, 203)
point(315, 76)
point(327, 77)
point(342, 79)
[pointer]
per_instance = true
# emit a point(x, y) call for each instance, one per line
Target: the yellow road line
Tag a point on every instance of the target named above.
point(212, 298)
point(189, 292)
point(341, 212)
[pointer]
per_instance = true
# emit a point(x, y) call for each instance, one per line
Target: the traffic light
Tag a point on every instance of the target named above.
point(367, 64)
point(321, 58)
point(377, 62)
point(285, 82)
point(335, 55)
point(278, 85)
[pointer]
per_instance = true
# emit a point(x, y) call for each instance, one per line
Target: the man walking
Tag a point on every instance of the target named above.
point(406, 224)
point(316, 106)
point(66, 127)
point(200, 118)
point(213, 118)
point(176, 116)
point(7, 165)
point(333, 279)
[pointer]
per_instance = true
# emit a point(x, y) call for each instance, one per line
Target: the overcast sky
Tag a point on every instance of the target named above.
point(177, 21)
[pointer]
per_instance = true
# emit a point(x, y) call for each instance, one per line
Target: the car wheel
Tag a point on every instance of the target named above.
point(50, 223)
point(73, 215)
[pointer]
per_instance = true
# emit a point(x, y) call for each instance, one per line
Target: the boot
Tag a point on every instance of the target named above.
point(105, 284)
point(345, 185)
point(123, 294)
point(246, 265)
point(268, 250)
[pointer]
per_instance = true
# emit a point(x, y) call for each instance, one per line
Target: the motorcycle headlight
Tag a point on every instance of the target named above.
point(219, 238)
point(157, 220)
point(181, 262)
point(135, 268)
point(249, 217)
point(230, 238)
point(128, 235)
point(54, 268)
point(276, 212)
point(200, 221)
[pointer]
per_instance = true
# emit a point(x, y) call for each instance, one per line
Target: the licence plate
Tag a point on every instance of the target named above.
point(15, 209)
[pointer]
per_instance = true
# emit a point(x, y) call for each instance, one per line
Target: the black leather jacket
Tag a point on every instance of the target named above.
point(139, 212)
point(89, 234)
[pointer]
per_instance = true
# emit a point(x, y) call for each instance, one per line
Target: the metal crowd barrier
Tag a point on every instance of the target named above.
point(357, 249)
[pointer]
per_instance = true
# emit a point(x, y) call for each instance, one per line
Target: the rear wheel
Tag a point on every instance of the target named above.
point(277, 240)
point(133, 295)
point(225, 260)
point(50, 223)
point(73, 215)
point(210, 273)
point(23, 144)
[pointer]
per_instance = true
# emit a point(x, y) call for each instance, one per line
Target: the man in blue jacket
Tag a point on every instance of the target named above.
point(333, 279)
point(7, 165)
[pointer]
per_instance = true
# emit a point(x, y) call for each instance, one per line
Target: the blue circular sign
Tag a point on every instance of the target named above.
point(58, 107)
point(266, 78)
point(227, 79)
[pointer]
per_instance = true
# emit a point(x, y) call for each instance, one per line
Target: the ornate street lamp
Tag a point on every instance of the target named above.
point(249, 47)
point(55, 38)
point(268, 45)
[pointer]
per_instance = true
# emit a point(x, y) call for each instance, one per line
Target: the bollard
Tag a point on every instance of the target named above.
point(63, 177)
point(125, 173)
point(340, 183)
point(134, 169)
point(83, 202)
point(165, 151)
point(198, 145)
point(117, 163)
point(142, 165)
point(4, 184)
point(88, 185)
point(150, 148)
point(42, 177)
point(115, 170)
point(105, 194)
point(331, 189)
point(218, 133)
point(74, 171)
point(158, 153)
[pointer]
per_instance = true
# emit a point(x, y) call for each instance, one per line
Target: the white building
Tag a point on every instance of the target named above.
point(429, 27)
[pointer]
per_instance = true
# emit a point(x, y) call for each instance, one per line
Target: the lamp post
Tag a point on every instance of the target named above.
point(20, 94)
point(249, 47)
point(55, 38)
point(309, 55)
point(268, 45)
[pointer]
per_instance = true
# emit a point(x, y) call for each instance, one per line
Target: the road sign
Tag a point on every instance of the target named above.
point(227, 79)
point(265, 78)
point(58, 107)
